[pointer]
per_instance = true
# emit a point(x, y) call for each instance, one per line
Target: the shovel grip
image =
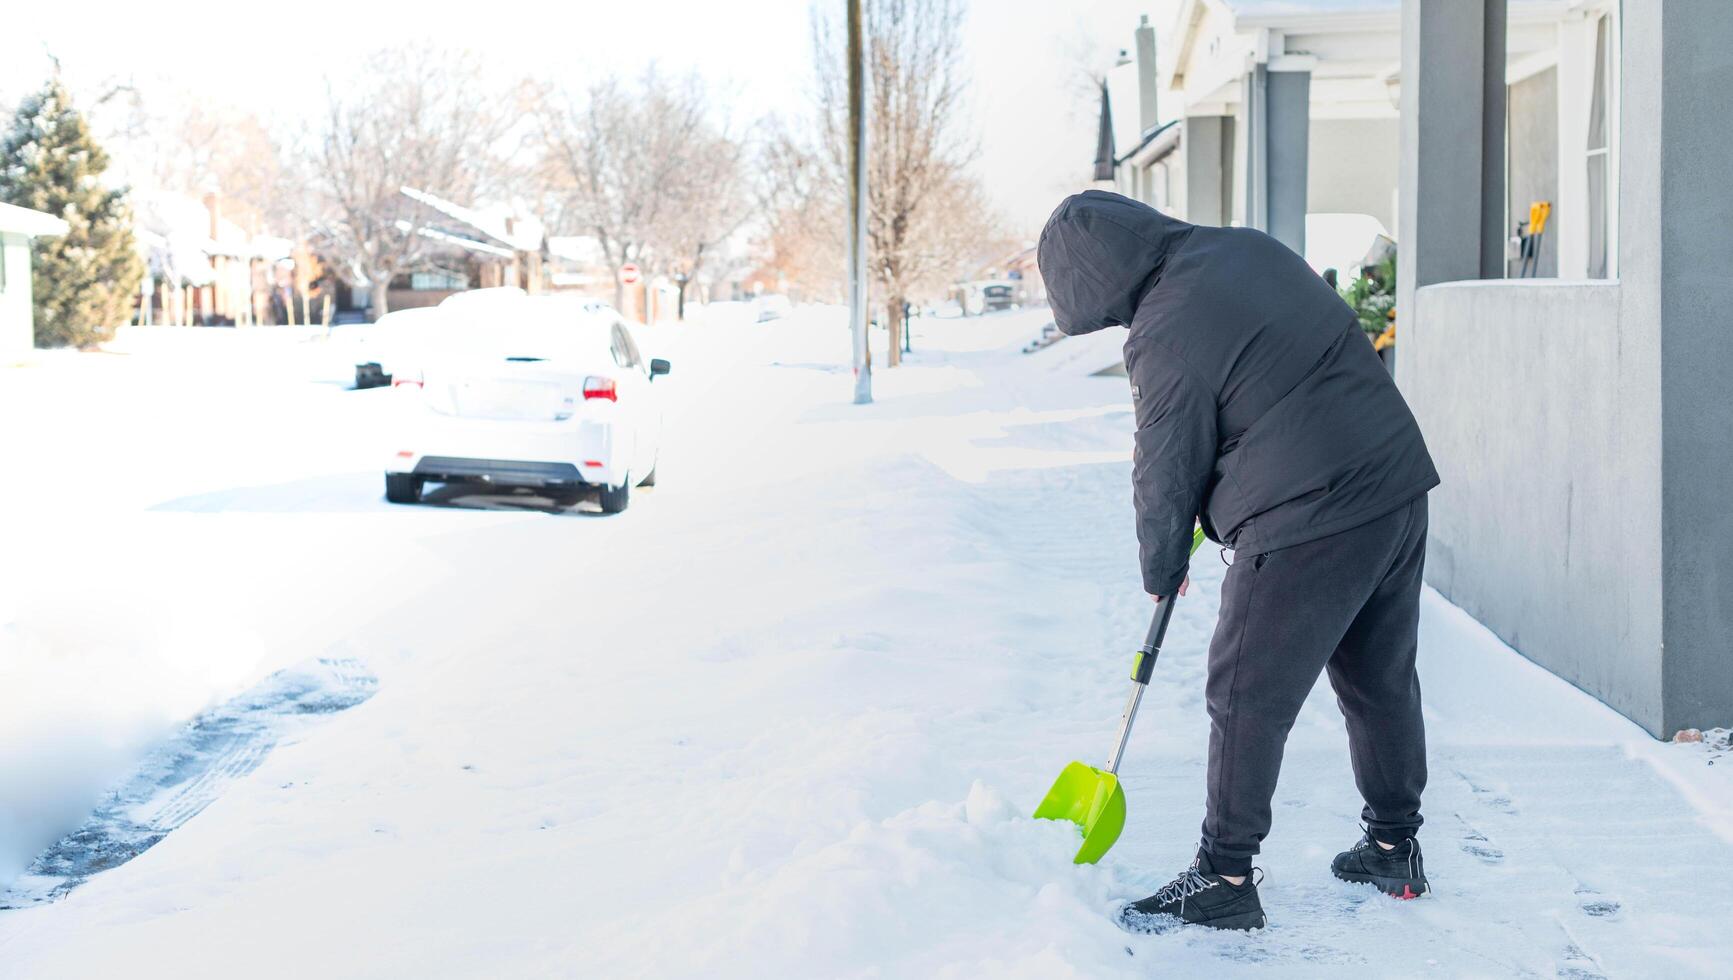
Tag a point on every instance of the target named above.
point(1143, 665)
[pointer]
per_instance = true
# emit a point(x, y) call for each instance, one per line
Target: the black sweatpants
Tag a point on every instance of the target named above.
point(1350, 604)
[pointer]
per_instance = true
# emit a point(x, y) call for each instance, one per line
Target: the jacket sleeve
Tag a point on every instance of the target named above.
point(1173, 461)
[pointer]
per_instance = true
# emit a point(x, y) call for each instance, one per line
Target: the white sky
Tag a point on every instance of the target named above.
point(1026, 57)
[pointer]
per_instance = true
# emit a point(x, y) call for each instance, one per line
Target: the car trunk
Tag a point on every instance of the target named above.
point(518, 374)
point(508, 390)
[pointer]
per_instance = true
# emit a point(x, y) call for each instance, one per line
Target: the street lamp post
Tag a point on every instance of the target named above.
point(857, 271)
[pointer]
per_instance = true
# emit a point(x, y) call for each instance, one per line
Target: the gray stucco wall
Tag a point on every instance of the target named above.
point(1585, 430)
point(1354, 163)
point(1540, 528)
point(1532, 172)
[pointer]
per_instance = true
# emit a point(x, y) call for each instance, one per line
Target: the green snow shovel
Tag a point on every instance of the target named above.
point(1092, 798)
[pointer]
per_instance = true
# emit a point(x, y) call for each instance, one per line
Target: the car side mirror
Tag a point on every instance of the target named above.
point(659, 366)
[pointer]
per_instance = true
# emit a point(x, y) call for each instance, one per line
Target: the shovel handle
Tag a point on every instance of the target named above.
point(1144, 665)
point(1141, 668)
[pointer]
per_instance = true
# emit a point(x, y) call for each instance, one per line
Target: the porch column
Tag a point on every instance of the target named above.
point(1208, 165)
point(1674, 229)
point(1288, 98)
point(1451, 211)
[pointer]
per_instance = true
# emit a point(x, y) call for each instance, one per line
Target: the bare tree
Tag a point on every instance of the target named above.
point(955, 238)
point(418, 117)
point(646, 168)
point(206, 146)
point(918, 146)
point(801, 207)
point(715, 203)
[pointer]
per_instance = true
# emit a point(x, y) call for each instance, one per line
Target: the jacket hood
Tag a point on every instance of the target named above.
point(1099, 254)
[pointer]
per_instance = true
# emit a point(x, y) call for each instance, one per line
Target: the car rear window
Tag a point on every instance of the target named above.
point(533, 329)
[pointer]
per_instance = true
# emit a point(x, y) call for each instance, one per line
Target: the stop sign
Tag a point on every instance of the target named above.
point(629, 273)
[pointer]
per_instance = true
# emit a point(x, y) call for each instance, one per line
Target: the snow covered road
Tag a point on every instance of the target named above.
point(784, 717)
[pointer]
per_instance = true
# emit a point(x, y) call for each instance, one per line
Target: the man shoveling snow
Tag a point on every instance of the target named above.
point(1263, 413)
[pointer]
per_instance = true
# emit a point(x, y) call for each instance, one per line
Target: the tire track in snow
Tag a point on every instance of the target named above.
point(177, 781)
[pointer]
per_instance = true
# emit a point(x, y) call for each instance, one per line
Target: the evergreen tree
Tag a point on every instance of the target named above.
point(82, 282)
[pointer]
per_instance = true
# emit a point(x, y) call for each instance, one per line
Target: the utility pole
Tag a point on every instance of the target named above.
point(857, 207)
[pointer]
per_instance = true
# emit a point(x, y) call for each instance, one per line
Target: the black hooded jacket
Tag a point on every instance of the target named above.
point(1261, 409)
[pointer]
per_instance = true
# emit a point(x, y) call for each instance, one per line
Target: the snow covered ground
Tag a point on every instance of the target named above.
point(784, 717)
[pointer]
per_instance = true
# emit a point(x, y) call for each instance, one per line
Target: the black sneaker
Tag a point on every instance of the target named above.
point(1200, 897)
point(1399, 872)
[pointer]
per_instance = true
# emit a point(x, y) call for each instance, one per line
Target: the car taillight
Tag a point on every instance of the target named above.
point(406, 378)
point(600, 388)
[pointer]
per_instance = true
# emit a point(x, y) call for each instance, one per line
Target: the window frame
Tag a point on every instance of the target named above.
point(1605, 81)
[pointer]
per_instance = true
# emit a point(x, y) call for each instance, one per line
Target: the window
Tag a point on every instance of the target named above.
point(439, 279)
point(1599, 155)
point(625, 352)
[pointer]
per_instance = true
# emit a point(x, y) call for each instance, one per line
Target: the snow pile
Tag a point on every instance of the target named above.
point(885, 891)
point(1090, 353)
point(89, 682)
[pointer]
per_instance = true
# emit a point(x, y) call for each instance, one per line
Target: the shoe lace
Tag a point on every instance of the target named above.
point(1365, 840)
point(1189, 883)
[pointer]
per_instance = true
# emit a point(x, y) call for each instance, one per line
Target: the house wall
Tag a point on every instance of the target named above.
point(16, 336)
point(1532, 172)
point(1539, 404)
point(1583, 429)
point(412, 299)
point(1354, 165)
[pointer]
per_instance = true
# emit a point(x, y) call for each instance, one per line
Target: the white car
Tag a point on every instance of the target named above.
point(772, 306)
point(549, 393)
point(389, 345)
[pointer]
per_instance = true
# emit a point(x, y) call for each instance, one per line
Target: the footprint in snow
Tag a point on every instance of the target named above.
point(182, 777)
point(1475, 843)
point(1487, 797)
point(1594, 904)
point(1578, 965)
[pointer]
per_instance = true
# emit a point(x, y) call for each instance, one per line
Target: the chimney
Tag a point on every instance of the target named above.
point(214, 207)
point(1147, 114)
point(1104, 148)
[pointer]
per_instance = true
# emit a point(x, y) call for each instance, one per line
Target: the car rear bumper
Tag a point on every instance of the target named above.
point(510, 453)
point(512, 472)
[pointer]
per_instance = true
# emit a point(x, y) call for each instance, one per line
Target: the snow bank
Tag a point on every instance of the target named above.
point(883, 893)
point(1089, 354)
point(95, 668)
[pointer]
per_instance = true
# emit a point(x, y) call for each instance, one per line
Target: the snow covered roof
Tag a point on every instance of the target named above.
point(1157, 143)
point(1264, 8)
point(24, 221)
point(512, 231)
point(179, 223)
point(459, 241)
point(575, 248)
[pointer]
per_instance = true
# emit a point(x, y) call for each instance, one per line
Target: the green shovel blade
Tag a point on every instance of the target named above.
point(1091, 799)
